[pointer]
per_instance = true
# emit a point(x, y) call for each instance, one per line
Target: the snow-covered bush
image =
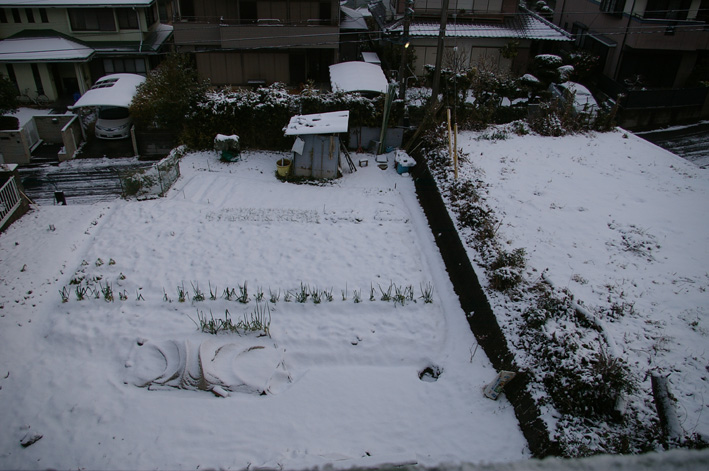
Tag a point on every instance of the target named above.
point(259, 116)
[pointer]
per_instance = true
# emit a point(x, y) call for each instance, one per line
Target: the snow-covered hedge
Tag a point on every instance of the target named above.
point(259, 116)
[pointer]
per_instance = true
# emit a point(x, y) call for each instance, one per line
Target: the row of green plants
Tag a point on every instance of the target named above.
point(96, 288)
point(258, 320)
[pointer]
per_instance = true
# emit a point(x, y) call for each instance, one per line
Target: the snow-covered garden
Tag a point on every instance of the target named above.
point(328, 351)
point(594, 251)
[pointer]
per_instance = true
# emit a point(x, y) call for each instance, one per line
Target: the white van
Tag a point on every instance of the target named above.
point(113, 122)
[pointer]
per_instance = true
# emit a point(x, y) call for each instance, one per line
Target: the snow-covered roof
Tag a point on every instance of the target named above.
point(111, 90)
point(322, 123)
point(371, 57)
point(54, 48)
point(357, 77)
point(521, 26)
point(75, 3)
point(352, 19)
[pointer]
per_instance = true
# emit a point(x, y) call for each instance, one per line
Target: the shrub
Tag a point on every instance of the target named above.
point(169, 95)
point(8, 97)
point(506, 269)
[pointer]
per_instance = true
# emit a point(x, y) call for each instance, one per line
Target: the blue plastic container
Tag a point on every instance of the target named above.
point(401, 169)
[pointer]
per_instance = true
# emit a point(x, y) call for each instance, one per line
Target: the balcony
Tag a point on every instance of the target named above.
point(254, 34)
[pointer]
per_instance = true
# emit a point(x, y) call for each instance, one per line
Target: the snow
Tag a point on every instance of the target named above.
point(340, 378)
point(224, 137)
point(74, 3)
point(371, 58)
point(111, 90)
point(25, 114)
point(620, 223)
point(321, 123)
point(353, 19)
point(32, 49)
point(358, 76)
point(403, 159)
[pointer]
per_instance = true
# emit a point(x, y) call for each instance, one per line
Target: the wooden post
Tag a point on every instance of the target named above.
point(455, 151)
point(450, 137)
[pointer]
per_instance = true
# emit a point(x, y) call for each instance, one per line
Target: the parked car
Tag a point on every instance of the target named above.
point(113, 122)
point(580, 96)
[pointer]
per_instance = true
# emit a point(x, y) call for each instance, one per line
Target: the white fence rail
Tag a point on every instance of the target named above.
point(9, 200)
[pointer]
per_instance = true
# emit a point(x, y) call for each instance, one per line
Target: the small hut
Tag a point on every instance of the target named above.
point(316, 150)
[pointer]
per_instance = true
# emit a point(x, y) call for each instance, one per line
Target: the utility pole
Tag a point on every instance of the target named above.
point(408, 14)
point(439, 51)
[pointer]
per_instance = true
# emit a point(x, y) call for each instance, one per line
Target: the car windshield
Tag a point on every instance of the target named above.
point(112, 112)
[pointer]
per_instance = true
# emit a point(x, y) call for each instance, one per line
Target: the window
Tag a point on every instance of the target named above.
point(37, 79)
point(16, 15)
point(127, 18)
point(30, 15)
point(667, 9)
point(3, 16)
point(325, 11)
point(150, 15)
point(11, 75)
point(248, 12)
point(613, 7)
point(116, 66)
point(579, 31)
point(43, 15)
point(92, 19)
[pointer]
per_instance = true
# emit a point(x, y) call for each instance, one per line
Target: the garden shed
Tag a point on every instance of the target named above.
point(316, 150)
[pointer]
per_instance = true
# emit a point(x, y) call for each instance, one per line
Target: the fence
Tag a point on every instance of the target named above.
point(154, 181)
point(655, 98)
point(9, 200)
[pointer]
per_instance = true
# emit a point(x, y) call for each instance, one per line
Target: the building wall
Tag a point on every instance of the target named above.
point(58, 20)
point(240, 67)
point(470, 52)
point(228, 11)
point(685, 39)
point(466, 6)
point(295, 40)
point(14, 147)
point(320, 157)
point(67, 78)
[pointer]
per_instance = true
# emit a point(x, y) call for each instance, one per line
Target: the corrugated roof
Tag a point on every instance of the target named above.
point(111, 90)
point(520, 26)
point(43, 46)
point(352, 19)
point(358, 76)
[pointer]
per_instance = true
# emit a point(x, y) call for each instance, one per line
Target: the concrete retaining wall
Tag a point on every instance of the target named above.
point(480, 316)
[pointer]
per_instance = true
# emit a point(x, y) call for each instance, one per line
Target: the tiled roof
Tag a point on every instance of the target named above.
point(519, 26)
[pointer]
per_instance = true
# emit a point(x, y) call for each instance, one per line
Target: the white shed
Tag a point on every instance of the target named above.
point(316, 150)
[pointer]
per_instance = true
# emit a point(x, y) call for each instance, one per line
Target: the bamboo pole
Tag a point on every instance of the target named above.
point(450, 137)
point(455, 150)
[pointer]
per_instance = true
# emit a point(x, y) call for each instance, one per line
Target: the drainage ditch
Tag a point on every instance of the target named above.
point(481, 318)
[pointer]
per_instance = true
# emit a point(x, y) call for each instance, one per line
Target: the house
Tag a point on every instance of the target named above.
point(248, 42)
point(56, 49)
point(652, 53)
point(316, 150)
point(495, 34)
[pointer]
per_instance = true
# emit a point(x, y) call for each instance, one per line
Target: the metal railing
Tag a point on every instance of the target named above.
point(9, 200)
point(220, 20)
point(653, 98)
